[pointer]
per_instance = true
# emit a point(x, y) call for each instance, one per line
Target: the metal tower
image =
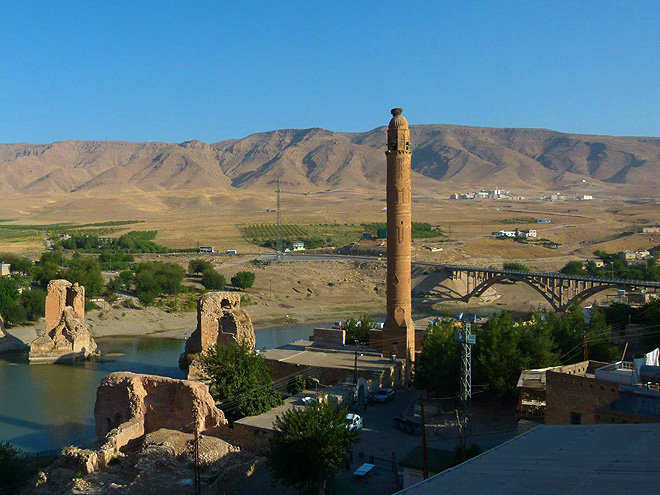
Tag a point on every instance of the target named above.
point(467, 339)
point(279, 222)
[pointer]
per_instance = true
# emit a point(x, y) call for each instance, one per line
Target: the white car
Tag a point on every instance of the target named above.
point(353, 422)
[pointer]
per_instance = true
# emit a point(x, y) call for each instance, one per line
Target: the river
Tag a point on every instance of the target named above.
point(45, 407)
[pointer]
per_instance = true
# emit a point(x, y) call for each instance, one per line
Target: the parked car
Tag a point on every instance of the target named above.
point(383, 395)
point(353, 422)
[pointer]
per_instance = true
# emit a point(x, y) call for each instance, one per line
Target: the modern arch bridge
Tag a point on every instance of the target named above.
point(558, 289)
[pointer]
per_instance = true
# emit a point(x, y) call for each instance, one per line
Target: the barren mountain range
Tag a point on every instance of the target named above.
point(317, 159)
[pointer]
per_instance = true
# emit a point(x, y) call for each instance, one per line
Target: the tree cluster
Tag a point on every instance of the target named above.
point(504, 348)
point(153, 279)
point(136, 241)
point(615, 267)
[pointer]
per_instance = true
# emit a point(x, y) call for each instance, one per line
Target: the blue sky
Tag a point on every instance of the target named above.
point(173, 71)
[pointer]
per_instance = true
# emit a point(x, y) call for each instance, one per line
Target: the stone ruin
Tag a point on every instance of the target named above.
point(219, 318)
point(130, 405)
point(66, 337)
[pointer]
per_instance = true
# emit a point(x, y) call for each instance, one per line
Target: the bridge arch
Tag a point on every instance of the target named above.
point(483, 286)
point(587, 293)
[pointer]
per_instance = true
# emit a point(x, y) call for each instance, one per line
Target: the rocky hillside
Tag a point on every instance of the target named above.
point(316, 159)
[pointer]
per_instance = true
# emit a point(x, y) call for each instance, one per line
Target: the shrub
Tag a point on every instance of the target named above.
point(212, 280)
point(198, 265)
point(243, 280)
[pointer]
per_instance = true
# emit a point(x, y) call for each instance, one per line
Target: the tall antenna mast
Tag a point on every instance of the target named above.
point(279, 221)
point(467, 339)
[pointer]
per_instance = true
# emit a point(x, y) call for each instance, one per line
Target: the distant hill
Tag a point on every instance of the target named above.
point(317, 159)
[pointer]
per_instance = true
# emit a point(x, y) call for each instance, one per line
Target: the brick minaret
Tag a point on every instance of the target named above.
point(398, 336)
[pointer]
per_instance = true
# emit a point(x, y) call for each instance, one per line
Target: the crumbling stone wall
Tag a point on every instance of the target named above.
point(130, 405)
point(66, 336)
point(59, 295)
point(219, 319)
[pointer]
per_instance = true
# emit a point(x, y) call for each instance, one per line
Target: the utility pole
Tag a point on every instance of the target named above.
point(467, 339)
point(585, 347)
point(424, 457)
point(198, 477)
point(279, 221)
point(355, 373)
point(397, 482)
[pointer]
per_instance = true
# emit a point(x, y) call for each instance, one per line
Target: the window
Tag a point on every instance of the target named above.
point(576, 418)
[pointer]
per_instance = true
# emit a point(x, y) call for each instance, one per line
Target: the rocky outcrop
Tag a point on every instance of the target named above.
point(160, 466)
point(130, 405)
point(66, 336)
point(219, 319)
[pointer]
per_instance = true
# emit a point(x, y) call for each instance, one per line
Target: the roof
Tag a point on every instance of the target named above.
point(559, 459)
point(437, 460)
point(302, 353)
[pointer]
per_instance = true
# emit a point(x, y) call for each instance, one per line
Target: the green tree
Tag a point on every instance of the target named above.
point(240, 379)
point(649, 316)
point(514, 265)
point(34, 302)
point(618, 315)
point(213, 280)
point(573, 268)
point(358, 329)
point(126, 278)
point(45, 272)
point(298, 383)
point(308, 447)
point(198, 265)
point(438, 367)
point(156, 278)
point(599, 334)
point(8, 291)
point(15, 469)
point(243, 280)
point(86, 270)
point(537, 343)
point(19, 264)
point(14, 313)
point(498, 356)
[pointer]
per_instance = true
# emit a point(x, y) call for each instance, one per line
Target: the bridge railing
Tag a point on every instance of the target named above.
point(557, 275)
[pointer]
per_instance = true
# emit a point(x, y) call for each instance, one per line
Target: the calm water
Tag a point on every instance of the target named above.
point(49, 406)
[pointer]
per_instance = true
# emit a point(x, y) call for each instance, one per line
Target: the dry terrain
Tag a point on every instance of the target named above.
point(199, 194)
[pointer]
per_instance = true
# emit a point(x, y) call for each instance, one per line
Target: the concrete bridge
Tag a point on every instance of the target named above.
point(558, 289)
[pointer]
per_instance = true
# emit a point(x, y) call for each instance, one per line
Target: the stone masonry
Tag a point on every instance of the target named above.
point(130, 405)
point(219, 318)
point(66, 336)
